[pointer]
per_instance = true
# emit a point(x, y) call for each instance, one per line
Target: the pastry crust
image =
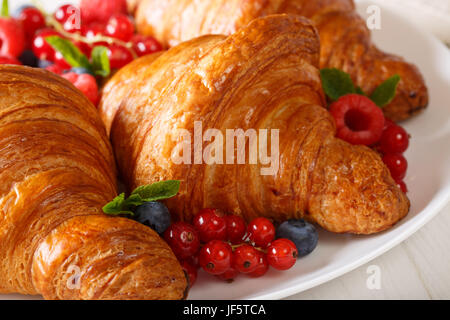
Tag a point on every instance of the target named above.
point(57, 171)
point(345, 39)
point(265, 76)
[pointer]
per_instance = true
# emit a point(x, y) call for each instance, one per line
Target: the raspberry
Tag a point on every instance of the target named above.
point(9, 60)
point(358, 119)
point(12, 38)
point(86, 84)
point(101, 10)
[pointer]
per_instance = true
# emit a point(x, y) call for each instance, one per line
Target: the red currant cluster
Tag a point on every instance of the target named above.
point(94, 23)
point(224, 246)
point(360, 121)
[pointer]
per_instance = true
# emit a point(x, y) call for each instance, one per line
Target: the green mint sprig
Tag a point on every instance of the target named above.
point(337, 83)
point(121, 205)
point(100, 65)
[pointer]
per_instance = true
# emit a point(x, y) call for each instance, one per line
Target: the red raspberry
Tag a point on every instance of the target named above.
point(40, 46)
point(145, 45)
point(245, 259)
point(215, 257)
point(358, 119)
point(183, 239)
point(282, 254)
point(12, 38)
point(32, 20)
point(9, 60)
point(119, 56)
point(397, 165)
point(101, 10)
point(191, 272)
point(229, 275)
point(236, 228)
point(261, 231)
point(120, 27)
point(86, 84)
point(262, 267)
point(211, 225)
point(395, 139)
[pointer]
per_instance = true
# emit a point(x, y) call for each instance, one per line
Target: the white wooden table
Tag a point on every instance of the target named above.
point(419, 268)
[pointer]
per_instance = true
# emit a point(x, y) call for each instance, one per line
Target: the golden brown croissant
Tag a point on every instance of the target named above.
point(345, 39)
point(57, 171)
point(265, 76)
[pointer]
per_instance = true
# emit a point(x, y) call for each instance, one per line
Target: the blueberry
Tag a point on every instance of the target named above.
point(29, 59)
point(154, 215)
point(44, 64)
point(80, 70)
point(302, 233)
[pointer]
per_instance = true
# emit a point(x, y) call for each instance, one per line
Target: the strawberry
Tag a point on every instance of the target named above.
point(101, 10)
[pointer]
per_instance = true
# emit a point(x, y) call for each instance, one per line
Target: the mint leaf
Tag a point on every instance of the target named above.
point(69, 51)
point(152, 192)
point(385, 93)
point(158, 191)
point(360, 91)
point(117, 206)
point(336, 83)
point(5, 8)
point(100, 61)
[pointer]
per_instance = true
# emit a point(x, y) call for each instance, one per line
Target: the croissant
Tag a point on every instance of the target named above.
point(265, 76)
point(57, 171)
point(345, 39)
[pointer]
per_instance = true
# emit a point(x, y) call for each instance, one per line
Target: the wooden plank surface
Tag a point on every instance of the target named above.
point(419, 268)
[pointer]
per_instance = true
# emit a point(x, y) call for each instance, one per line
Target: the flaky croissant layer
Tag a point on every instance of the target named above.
point(265, 76)
point(345, 39)
point(57, 171)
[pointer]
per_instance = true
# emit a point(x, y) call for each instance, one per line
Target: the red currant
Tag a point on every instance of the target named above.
point(211, 225)
point(93, 29)
point(191, 272)
point(228, 275)
point(394, 140)
point(101, 10)
point(183, 239)
point(40, 46)
point(119, 56)
point(402, 185)
point(32, 20)
point(261, 268)
point(236, 228)
point(358, 119)
point(145, 45)
point(63, 13)
point(261, 231)
point(56, 69)
point(215, 257)
point(9, 60)
point(59, 60)
point(397, 165)
point(120, 27)
point(282, 254)
point(245, 259)
point(12, 38)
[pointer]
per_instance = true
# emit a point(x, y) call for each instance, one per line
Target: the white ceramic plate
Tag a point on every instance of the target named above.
point(428, 180)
